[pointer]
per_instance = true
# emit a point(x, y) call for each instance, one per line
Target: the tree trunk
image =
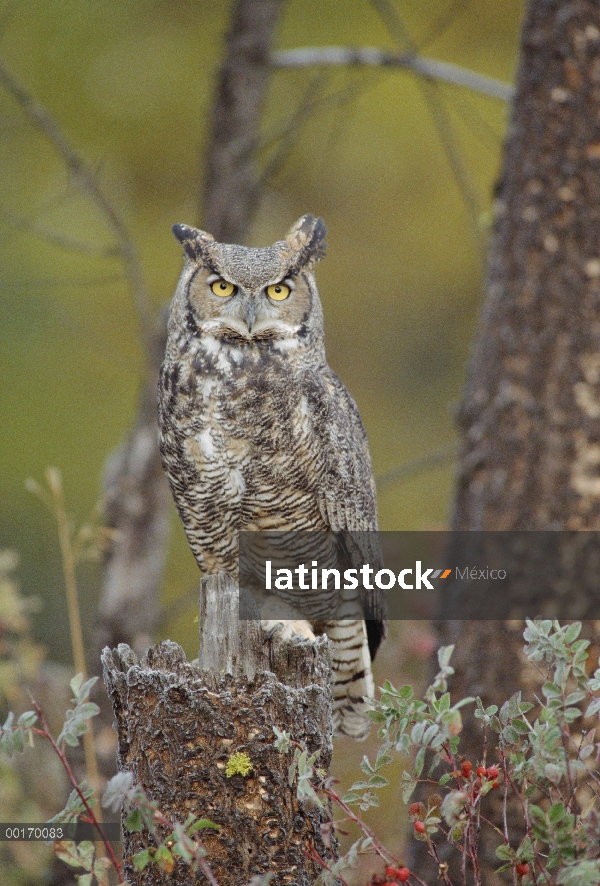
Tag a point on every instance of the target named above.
point(179, 724)
point(231, 186)
point(530, 419)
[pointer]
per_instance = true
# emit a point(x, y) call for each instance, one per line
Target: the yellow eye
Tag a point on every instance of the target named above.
point(223, 288)
point(278, 292)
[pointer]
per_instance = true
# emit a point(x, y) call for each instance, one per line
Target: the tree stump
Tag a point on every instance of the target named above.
point(179, 724)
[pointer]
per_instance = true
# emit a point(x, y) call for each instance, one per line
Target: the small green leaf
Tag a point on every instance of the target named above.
point(444, 702)
point(27, 719)
point(593, 708)
point(378, 781)
point(7, 743)
point(520, 726)
point(572, 632)
point(141, 859)
point(134, 821)
point(575, 697)
point(419, 762)
point(87, 851)
point(366, 766)
point(556, 813)
point(510, 735)
point(67, 852)
point(444, 655)
point(408, 786)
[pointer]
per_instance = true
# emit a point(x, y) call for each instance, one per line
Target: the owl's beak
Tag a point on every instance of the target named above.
point(248, 313)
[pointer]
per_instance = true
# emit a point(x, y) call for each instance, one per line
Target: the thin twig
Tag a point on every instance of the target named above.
point(24, 224)
point(368, 56)
point(476, 123)
point(312, 853)
point(56, 504)
point(288, 136)
point(82, 173)
point(68, 562)
point(528, 824)
point(62, 757)
point(444, 455)
point(443, 22)
point(429, 87)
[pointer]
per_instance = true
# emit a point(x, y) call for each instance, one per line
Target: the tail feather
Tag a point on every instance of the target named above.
point(352, 678)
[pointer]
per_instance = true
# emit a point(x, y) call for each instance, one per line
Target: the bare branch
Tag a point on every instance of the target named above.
point(366, 56)
point(287, 137)
point(81, 172)
point(443, 22)
point(430, 90)
point(25, 224)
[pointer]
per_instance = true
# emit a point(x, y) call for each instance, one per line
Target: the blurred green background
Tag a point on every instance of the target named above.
point(130, 84)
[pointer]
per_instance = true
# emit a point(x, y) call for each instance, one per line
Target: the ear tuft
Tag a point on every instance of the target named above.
point(192, 239)
point(307, 239)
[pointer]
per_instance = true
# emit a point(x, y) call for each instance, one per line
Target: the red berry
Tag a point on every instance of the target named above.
point(419, 827)
point(493, 772)
point(466, 767)
point(390, 871)
point(495, 785)
point(522, 868)
point(481, 771)
point(414, 808)
point(402, 874)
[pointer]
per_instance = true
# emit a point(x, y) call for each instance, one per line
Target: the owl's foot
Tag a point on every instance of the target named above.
point(287, 630)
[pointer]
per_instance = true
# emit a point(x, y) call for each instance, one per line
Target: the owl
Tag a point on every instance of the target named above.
point(256, 431)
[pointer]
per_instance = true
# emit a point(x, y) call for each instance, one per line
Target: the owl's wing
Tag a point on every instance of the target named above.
point(346, 493)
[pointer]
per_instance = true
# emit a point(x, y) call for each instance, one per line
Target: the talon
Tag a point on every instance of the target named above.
point(272, 632)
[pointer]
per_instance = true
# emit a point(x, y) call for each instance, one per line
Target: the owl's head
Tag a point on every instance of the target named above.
point(241, 294)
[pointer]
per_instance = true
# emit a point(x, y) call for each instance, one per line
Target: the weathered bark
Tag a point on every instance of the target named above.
point(178, 725)
point(530, 419)
point(531, 415)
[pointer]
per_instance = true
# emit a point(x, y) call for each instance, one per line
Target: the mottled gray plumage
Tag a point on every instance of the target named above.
point(256, 431)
